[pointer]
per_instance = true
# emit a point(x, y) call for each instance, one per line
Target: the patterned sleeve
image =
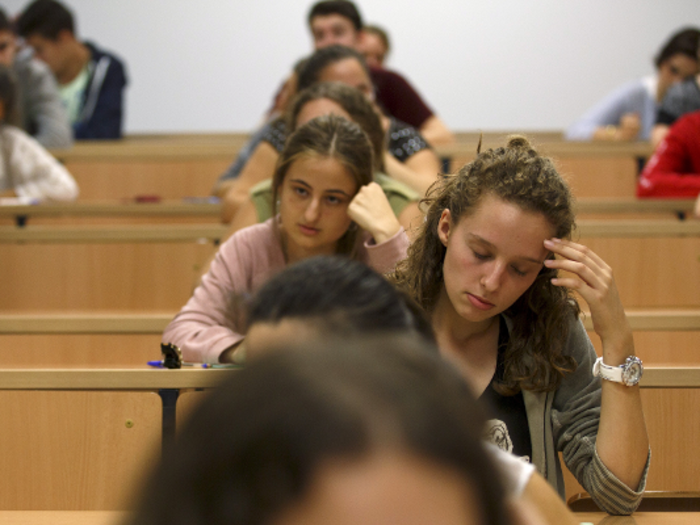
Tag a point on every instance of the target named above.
point(276, 134)
point(405, 140)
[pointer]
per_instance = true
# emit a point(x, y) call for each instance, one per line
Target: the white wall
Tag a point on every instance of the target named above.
point(213, 65)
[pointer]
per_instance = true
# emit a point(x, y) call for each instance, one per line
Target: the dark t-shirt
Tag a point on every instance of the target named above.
point(398, 98)
point(403, 140)
point(508, 428)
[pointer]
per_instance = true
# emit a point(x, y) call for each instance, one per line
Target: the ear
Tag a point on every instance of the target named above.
point(444, 226)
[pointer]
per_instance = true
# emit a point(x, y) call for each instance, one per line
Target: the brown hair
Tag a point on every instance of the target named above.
point(542, 315)
point(354, 103)
point(333, 137)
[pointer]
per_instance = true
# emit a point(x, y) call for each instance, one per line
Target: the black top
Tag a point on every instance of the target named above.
point(403, 141)
point(508, 427)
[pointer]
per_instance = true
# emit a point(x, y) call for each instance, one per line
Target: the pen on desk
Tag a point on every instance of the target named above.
point(159, 364)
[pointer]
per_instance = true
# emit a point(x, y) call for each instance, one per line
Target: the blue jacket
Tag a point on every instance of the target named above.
point(102, 108)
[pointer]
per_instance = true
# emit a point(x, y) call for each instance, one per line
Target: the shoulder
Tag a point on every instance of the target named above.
point(115, 66)
point(387, 76)
point(18, 139)
point(98, 53)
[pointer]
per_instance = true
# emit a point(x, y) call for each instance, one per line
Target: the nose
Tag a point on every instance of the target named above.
point(312, 212)
point(491, 280)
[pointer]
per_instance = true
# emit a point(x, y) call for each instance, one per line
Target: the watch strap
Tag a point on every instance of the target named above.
point(610, 373)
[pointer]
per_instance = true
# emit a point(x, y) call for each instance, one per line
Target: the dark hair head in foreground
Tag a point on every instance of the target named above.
point(257, 449)
point(335, 296)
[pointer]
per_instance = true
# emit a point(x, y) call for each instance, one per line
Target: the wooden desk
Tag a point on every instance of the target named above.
point(112, 234)
point(84, 517)
point(593, 169)
point(641, 518)
point(62, 517)
point(82, 438)
point(612, 205)
point(86, 210)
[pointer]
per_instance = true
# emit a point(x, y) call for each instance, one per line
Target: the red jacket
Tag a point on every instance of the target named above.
point(674, 169)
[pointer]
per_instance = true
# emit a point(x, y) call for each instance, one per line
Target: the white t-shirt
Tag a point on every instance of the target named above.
point(515, 472)
point(31, 171)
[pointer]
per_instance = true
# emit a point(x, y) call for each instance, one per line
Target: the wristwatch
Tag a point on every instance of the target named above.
point(628, 373)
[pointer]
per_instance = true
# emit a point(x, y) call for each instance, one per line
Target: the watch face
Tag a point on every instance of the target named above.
point(632, 371)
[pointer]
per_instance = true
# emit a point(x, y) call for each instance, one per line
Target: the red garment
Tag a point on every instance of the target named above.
point(674, 169)
point(398, 98)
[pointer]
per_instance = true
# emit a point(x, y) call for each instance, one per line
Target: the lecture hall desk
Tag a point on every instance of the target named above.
point(81, 439)
point(82, 517)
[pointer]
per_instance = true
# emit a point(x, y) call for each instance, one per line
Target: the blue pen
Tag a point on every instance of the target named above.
point(159, 364)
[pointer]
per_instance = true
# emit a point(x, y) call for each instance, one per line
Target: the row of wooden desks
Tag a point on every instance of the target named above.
point(85, 517)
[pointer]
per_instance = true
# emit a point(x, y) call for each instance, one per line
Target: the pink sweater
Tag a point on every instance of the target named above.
point(209, 323)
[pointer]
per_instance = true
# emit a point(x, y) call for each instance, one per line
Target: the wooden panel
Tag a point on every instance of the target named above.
point(69, 350)
point(95, 276)
point(663, 348)
point(75, 450)
point(673, 427)
point(653, 272)
point(166, 179)
point(62, 517)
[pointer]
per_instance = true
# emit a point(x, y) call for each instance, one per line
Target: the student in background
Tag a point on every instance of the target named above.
point(328, 204)
point(485, 267)
point(376, 431)
point(681, 99)
point(335, 98)
point(39, 110)
point(674, 169)
point(91, 81)
point(338, 22)
point(27, 170)
point(374, 45)
point(629, 112)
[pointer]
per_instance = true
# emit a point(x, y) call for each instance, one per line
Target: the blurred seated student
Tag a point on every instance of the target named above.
point(338, 22)
point(326, 298)
point(27, 170)
point(674, 169)
point(408, 159)
point(372, 432)
point(91, 81)
point(682, 98)
point(338, 99)
point(39, 109)
point(374, 46)
point(325, 202)
point(629, 112)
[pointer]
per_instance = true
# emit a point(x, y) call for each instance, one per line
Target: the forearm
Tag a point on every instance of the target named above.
point(436, 132)
point(417, 180)
point(622, 440)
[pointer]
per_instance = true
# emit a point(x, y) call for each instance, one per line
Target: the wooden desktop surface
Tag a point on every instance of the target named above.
point(136, 378)
point(83, 517)
point(140, 378)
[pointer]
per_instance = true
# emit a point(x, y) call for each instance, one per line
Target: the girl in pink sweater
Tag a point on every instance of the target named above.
point(326, 203)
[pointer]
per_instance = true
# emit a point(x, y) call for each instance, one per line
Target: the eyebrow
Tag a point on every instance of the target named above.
point(483, 241)
point(307, 185)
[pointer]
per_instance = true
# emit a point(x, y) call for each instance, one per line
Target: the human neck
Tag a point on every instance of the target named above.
point(448, 322)
point(471, 347)
point(78, 55)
